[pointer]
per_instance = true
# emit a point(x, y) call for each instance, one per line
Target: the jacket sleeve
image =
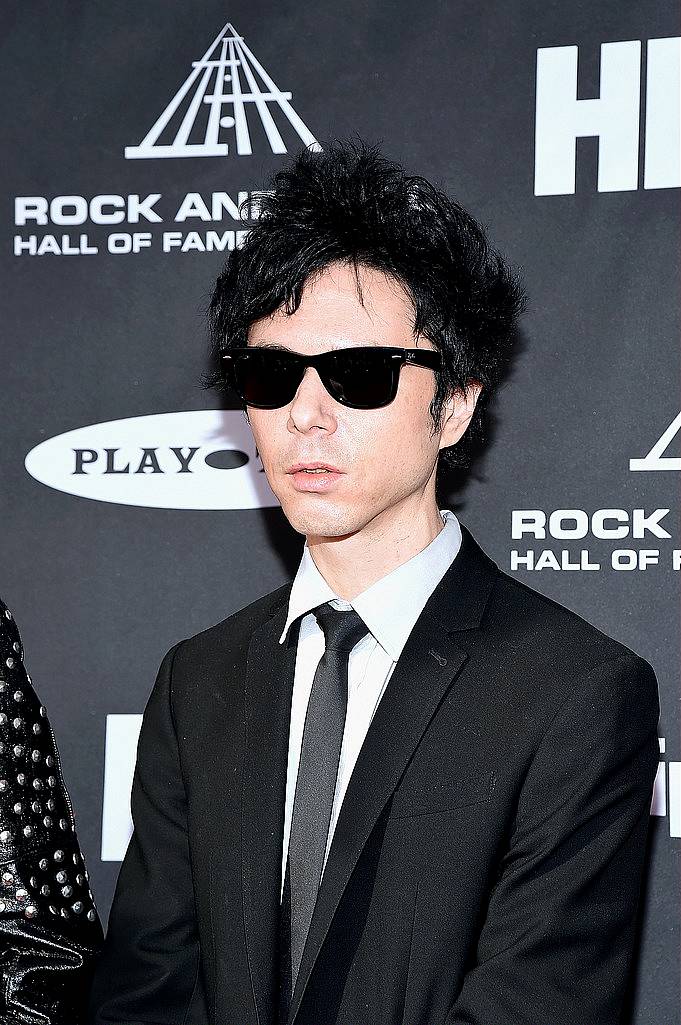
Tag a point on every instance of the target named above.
point(150, 968)
point(50, 932)
point(557, 940)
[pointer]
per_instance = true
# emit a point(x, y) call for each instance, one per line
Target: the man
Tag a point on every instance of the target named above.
point(405, 789)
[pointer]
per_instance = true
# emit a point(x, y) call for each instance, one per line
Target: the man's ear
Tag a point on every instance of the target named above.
point(457, 412)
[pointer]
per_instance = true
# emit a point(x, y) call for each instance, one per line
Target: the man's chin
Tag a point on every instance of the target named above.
point(319, 519)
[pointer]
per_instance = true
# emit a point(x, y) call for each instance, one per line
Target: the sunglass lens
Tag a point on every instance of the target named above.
point(265, 378)
point(364, 379)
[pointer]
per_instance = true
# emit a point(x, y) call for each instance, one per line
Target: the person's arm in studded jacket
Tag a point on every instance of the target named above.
point(50, 932)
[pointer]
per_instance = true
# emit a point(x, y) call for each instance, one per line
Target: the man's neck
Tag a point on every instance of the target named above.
point(354, 562)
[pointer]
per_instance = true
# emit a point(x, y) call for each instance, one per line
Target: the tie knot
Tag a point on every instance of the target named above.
point(342, 630)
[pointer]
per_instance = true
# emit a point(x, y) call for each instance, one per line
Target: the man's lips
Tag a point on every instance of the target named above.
point(323, 480)
point(297, 467)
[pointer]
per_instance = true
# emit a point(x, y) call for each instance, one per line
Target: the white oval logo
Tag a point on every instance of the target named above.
point(205, 459)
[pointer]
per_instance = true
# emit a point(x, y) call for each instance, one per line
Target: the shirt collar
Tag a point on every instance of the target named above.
point(391, 605)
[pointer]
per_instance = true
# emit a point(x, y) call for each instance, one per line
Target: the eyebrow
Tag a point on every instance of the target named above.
point(285, 348)
point(270, 345)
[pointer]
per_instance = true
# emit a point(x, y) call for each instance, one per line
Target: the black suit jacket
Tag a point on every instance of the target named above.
point(486, 863)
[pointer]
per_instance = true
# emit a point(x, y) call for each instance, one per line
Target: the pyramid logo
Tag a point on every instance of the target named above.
point(211, 106)
point(656, 459)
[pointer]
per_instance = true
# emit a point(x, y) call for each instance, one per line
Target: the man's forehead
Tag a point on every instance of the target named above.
point(337, 299)
point(357, 282)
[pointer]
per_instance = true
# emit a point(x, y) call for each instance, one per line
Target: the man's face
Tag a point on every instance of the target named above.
point(387, 456)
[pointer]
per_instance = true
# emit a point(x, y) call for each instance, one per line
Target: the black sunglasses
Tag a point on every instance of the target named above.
point(362, 376)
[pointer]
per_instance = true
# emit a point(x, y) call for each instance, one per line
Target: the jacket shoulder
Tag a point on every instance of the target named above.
point(232, 631)
point(546, 626)
point(539, 656)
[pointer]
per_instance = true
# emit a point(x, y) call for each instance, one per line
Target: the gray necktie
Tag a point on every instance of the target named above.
point(315, 785)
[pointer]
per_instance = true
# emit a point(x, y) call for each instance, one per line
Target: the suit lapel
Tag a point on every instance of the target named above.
point(269, 685)
point(410, 700)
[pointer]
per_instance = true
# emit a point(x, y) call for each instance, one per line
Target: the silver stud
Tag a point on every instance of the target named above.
point(17, 646)
point(80, 879)
point(43, 711)
point(36, 807)
point(21, 779)
point(47, 821)
point(3, 719)
point(21, 894)
point(7, 878)
point(77, 907)
point(18, 750)
point(51, 781)
point(2, 905)
point(35, 755)
point(58, 855)
point(18, 808)
point(28, 830)
point(37, 784)
point(37, 728)
point(66, 891)
point(75, 859)
point(45, 890)
point(53, 910)
point(3, 784)
point(64, 913)
point(33, 883)
point(9, 662)
point(31, 911)
point(50, 805)
point(43, 864)
point(4, 836)
point(17, 723)
point(61, 877)
point(91, 916)
point(18, 696)
point(3, 686)
point(49, 761)
point(8, 614)
point(63, 824)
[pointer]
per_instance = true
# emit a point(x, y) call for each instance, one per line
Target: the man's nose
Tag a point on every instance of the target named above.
point(312, 406)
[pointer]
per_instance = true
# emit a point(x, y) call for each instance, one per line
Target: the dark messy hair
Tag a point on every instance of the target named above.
point(350, 204)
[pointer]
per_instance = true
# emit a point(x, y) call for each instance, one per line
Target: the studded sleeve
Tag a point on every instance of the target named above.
point(50, 933)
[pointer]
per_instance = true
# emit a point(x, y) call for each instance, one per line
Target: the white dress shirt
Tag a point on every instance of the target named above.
point(390, 608)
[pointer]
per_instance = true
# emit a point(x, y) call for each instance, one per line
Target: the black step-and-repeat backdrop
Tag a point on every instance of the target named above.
point(134, 511)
